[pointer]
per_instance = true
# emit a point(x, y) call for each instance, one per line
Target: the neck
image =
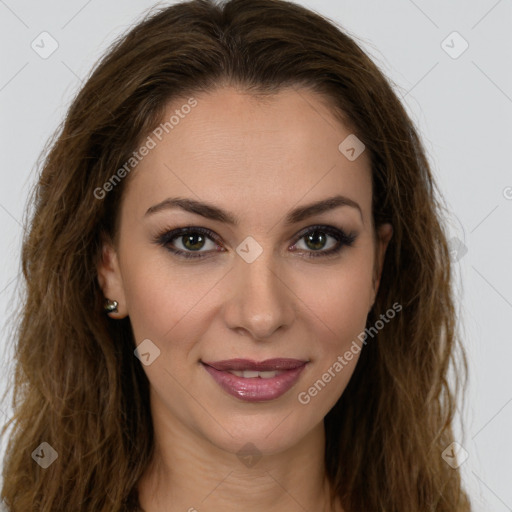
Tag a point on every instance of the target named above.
point(188, 473)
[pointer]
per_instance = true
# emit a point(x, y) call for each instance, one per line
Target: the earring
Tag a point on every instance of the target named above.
point(110, 306)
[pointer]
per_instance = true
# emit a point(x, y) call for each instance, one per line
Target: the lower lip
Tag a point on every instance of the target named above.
point(255, 389)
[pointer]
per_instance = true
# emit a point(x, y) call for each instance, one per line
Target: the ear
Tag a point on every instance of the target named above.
point(384, 234)
point(110, 279)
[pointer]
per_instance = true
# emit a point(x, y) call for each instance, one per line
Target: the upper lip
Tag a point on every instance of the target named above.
point(262, 366)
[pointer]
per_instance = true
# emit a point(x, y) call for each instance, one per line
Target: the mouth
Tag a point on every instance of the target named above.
point(254, 381)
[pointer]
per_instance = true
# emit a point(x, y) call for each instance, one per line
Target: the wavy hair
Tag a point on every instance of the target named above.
point(77, 384)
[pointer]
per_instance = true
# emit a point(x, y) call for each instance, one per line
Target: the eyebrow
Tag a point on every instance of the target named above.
point(212, 212)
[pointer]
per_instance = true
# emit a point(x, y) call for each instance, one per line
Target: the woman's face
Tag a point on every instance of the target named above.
point(267, 286)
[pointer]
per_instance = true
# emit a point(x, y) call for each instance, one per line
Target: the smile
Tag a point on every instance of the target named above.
point(255, 381)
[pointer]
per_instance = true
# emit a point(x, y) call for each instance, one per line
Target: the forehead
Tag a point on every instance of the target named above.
point(233, 147)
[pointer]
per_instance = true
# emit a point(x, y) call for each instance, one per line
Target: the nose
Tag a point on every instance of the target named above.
point(260, 300)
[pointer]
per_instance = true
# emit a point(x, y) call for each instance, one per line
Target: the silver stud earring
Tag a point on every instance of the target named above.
point(111, 306)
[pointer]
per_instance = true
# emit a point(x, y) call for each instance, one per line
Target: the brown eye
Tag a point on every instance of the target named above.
point(317, 238)
point(188, 242)
point(192, 242)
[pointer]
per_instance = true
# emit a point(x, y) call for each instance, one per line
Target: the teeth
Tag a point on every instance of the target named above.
point(250, 374)
point(268, 375)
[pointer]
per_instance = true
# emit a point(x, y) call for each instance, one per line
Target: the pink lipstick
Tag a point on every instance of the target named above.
point(254, 381)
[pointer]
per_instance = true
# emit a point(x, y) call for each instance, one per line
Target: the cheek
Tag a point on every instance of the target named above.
point(339, 297)
point(337, 322)
point(166, 306)
point(162, 297)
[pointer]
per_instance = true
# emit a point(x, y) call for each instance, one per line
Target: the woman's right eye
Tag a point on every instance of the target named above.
point(192, 239)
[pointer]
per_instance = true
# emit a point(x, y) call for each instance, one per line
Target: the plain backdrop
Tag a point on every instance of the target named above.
point(450, 62)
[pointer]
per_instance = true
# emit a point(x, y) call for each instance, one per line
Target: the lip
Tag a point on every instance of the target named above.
point(263, 366)
point(256, 389)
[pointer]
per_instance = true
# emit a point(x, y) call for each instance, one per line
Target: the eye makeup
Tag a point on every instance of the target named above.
point(199, 235)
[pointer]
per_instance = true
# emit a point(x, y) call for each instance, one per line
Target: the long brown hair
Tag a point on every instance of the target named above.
point(77, 384)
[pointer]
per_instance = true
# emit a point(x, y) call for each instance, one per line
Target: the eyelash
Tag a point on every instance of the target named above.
point(165, 238)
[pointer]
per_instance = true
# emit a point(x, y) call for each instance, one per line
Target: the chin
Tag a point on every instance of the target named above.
point(266, 430)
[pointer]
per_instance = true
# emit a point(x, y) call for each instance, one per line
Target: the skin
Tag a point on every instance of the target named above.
point(258, 160)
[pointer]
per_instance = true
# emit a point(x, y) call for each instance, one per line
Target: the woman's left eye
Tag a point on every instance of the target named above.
point(193, 239)
point(315, 238)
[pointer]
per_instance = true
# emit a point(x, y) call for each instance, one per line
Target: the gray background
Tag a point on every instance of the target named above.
point(462, 107)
